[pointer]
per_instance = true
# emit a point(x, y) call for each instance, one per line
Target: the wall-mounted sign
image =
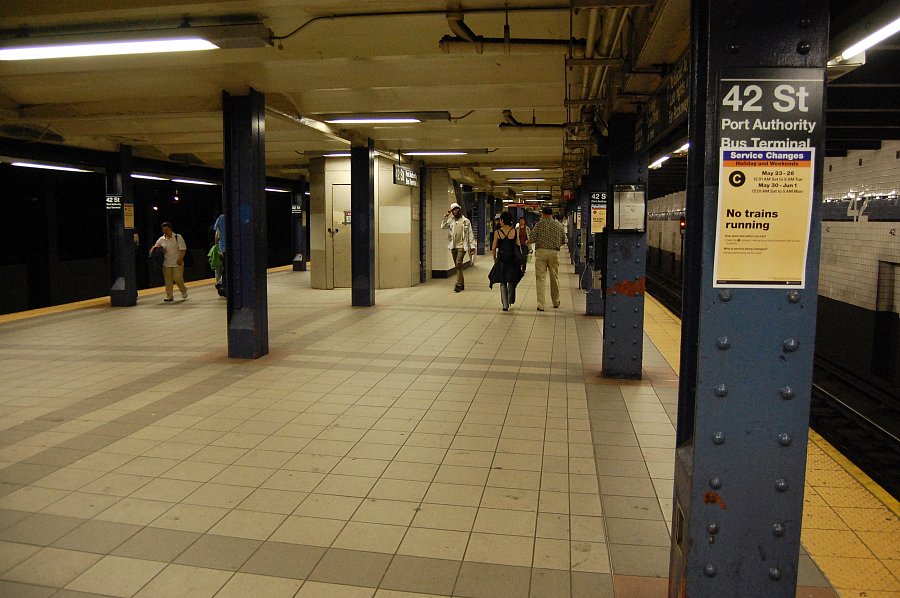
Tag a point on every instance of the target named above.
point(113, 203)
point(405, 176)
point(769, 125)
point(629, 208)
point(295, 209)
point(129, 215)
point(598, 211)
point(347, 217)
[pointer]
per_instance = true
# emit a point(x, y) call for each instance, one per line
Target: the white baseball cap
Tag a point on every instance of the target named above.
point(454, 205)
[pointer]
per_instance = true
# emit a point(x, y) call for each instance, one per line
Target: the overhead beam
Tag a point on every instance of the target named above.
point(611, 3)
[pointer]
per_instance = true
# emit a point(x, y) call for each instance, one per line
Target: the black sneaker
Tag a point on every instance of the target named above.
point(167, 300)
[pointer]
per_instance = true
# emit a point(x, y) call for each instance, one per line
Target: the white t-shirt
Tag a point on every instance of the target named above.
point(172, 247)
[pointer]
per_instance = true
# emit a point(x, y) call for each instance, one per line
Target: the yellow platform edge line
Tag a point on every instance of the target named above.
point(855, 472)
point(104, 301)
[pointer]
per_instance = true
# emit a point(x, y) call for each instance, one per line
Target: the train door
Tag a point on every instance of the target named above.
point(340, 235)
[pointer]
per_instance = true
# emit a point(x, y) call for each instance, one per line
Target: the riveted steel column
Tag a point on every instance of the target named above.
point(623, 324)
point(362, 230)
point(582, 233)
point(481, 224)
point(120, 240)
point(243, 185)
point(596, 184)
point(298, 220)
point(752, 250)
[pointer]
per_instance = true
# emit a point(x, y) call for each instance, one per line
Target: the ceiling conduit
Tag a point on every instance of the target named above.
point(467, 41)
point(511, 121)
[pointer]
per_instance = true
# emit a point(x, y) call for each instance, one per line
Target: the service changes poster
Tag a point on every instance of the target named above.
point(769, 126)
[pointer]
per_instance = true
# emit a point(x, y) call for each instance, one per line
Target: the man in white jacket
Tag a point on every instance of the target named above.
point(460, 240)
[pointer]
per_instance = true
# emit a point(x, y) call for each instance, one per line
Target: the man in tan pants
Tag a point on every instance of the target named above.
point(548, 236)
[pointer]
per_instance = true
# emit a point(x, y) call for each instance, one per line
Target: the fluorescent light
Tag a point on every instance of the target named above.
point(306, 193)
point(870, 40)
point(148, 177)
point(683, 148)
point(192, 182)
point(372, 121)
point(49, 167)
point(535, 191)
point(274, 190)
point(106, 49)
point(516, 169)
point(525, 180)
point(93, 41)
point(337, 155)
point(658, 163)
point(434, 153)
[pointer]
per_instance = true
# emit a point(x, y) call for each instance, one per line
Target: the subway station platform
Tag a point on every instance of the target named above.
point(429, 446)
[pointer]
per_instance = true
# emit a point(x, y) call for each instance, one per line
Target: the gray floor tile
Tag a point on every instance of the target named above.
point(627, 486)
point(284, 560)
point(218, 552)
point(484, 580)
point(422, 575)
point(592, 585)
point(550, 583)
point(24, 590)
point(648, 561)
point(639, 532)
point(10, 517)
point(40, 529)
point(155, 544)
point(97, 536)
point(632, 507)
point(25, 473)
point(352, 567)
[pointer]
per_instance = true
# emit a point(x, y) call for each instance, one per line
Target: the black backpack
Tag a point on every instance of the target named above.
point(157, 257)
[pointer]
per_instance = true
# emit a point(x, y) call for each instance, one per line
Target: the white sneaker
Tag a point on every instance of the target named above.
point(184, 296)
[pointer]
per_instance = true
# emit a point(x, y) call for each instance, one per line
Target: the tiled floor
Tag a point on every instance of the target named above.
point(429, 446)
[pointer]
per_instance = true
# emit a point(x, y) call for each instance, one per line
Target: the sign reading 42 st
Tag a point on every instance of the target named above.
point(769, 126)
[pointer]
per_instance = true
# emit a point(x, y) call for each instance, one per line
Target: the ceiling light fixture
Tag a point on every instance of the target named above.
point(525, 180)
point(383, 118)
point(193, 182)
point(274, 190)
point(658, 163)
point(49, 167)
point(147, 41)
point(434, 153)
point(870, 40)
point(337, 155)
point(516, 169)
point(535, 191)
point(148, 177)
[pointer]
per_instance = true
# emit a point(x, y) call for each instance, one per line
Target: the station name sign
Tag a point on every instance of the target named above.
point(405, 176)
point(113, 203)
point(769, 128)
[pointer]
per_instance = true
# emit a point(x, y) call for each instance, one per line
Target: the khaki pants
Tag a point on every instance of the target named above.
point(174, 274)
point(458, 255)
point(546, 260)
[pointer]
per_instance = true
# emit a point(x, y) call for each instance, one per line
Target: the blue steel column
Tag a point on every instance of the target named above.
point(481, 224)
point(362, 230)
point(626, 266)
point(580, 257)
point(298, 220)
point(243, 185)
point(120, 241)
point(746, 360)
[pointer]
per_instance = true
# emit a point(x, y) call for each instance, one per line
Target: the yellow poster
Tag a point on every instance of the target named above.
point(598, 219)
point(765, 207)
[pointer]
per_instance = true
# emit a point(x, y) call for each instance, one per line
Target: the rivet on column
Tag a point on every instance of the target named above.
point(778, 529)
point(787, 393)
point(784, 439)
point(709, 570)
point(719, 438)
point(781, 485)
point(723, 343)
point(793, 296)
point(775, 573)
point(721, 390)
point(725, 295)
point(791, 345)
point(712, 528)
point(715, 483)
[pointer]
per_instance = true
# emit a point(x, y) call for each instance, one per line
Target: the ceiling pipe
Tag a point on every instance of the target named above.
point(615, 42)
point(459, 28)
point(511, 121)
point(491, 45)
point(589, 48)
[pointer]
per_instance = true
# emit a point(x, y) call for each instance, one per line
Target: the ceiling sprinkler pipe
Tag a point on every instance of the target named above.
point(491, 45)
point(459, 28)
